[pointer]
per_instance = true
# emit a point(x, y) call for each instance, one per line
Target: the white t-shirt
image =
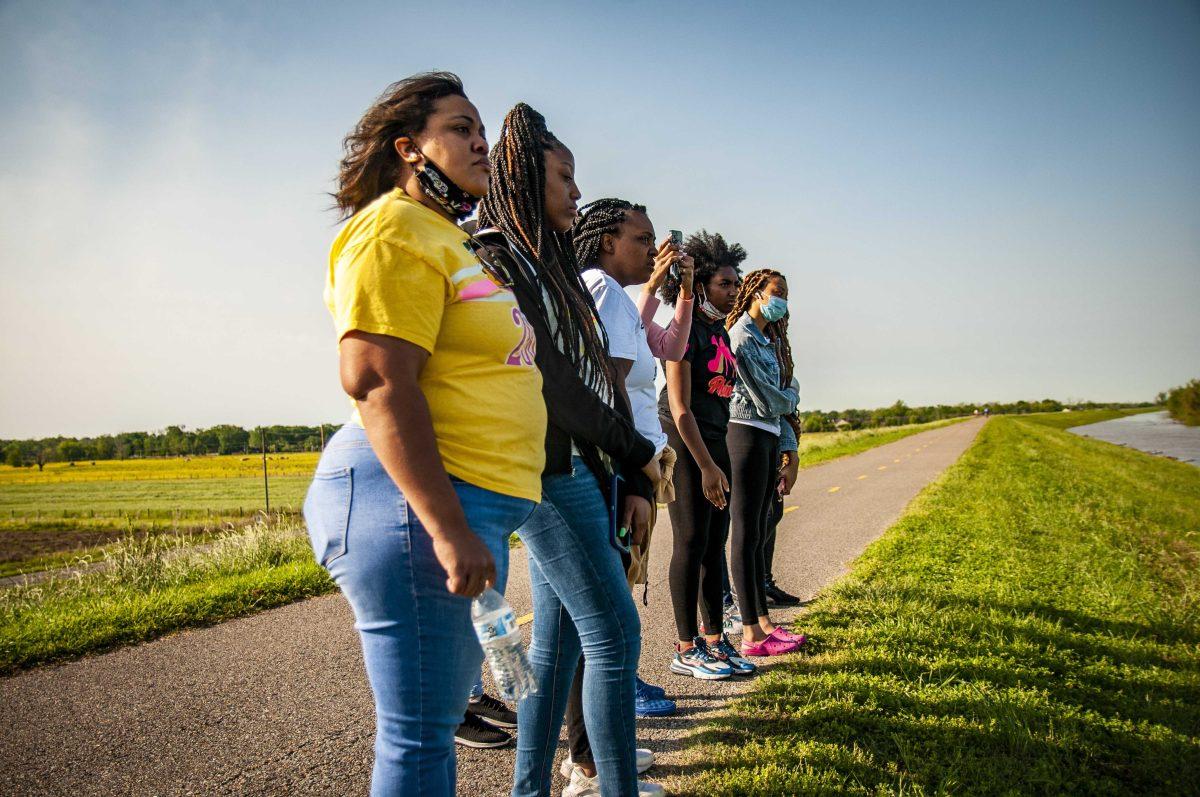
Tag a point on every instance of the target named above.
point(627, 341)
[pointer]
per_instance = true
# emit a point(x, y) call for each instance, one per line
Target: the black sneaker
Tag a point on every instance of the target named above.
point(777, 597)
point(474, 732)
point(492, 711)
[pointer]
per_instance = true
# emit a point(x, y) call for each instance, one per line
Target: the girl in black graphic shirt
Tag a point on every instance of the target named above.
point(694, 408)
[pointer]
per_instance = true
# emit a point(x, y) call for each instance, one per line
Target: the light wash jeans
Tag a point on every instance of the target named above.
point(419, 648)
point(581, 601)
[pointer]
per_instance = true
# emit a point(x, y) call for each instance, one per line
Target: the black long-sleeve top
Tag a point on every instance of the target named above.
point(575, 412)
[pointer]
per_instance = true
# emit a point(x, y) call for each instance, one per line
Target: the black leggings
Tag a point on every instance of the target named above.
point(699, 530)
point(772, 530)
point(577, 738)
point(753, 454)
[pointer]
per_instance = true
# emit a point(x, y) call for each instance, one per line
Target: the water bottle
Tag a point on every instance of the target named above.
point(500, 637)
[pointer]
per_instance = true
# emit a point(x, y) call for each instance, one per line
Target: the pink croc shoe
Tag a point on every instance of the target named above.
point(771, 646)
point(782, 633)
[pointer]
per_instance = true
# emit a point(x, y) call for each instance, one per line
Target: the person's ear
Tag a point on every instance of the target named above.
point(408, 151)
point(608, 244)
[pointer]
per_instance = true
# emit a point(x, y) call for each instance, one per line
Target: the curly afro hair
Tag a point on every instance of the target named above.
point(712, 253)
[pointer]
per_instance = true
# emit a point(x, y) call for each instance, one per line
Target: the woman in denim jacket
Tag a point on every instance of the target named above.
point(758, 433)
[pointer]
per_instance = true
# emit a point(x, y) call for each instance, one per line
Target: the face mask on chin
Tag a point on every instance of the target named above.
point(710, 312)
point(442, 190)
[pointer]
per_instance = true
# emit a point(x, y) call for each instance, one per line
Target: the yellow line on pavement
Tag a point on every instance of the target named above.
point(895, 460)
point(883, 467)
point(863, 476)
point(834, 489)
point(787, 509)
point(524, 619)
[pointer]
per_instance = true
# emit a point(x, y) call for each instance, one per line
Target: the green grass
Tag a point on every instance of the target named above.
point(818, 447)
point(147, 588)
point(192, 467)
point(1069, 420)
point(162, 499)
point(85, 555)
point(51, 523)
point(1030, 626)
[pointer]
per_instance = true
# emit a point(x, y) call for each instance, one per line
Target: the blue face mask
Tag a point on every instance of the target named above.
point(774, 309)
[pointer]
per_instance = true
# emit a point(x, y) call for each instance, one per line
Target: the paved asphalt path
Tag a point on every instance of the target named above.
point(278, 704)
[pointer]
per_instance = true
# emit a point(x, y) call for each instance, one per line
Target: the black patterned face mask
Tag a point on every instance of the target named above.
point(442, 190)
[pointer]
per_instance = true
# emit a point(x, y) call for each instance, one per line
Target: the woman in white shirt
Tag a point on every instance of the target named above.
point(614, 245)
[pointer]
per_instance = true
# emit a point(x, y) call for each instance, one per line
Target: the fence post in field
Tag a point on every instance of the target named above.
point(262, 436)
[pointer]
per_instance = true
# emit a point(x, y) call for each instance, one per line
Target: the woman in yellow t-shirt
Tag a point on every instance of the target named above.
point(414, 500)
point(574, 539)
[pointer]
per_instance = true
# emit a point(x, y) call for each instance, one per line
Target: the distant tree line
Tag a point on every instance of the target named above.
point(174, 441)
point(900, 414)
point(1183, 402)
point(177, 441)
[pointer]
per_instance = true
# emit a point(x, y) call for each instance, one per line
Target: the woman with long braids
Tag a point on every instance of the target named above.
point(581, 602)
point(758, 432)
point(694, 411)
point(409, 514)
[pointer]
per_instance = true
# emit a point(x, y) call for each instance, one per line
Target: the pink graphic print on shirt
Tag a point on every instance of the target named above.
point(479, 289)
point(724, 368)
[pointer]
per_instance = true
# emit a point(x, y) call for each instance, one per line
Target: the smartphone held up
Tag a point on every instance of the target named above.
point(677, 239)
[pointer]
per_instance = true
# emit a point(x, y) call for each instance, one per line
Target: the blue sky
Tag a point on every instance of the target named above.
point(971, 202)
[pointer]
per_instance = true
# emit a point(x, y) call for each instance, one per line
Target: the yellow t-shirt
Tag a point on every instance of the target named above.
point(399, 269)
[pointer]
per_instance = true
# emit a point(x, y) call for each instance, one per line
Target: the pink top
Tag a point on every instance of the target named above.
point(669, 342)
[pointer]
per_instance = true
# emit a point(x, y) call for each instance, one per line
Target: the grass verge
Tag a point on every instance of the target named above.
point(147, 588)
point(1030, 626)
point(1069, 420)
point(821, 447)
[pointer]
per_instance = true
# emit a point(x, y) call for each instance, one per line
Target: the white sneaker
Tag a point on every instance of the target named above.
point(699, 662)
point(732, 622)
point(583, 786)
point(645, 760)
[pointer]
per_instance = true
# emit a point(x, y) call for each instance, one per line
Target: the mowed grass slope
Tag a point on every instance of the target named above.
point(1031, 626)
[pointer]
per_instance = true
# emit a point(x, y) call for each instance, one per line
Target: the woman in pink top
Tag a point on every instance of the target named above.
point(669, 342)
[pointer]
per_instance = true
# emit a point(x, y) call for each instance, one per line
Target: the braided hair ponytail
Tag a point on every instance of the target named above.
point(516, 205)
point(595, 220)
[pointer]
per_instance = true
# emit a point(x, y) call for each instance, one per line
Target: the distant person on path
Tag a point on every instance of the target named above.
point(758, 432)
point(693, 409)
point(407, 511)
point(581, 600)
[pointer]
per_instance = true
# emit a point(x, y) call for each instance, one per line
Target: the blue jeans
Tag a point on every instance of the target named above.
point(581, 601)
point(419, 648)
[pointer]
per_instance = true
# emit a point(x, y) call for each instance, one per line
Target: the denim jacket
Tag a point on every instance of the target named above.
point(757, 395)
